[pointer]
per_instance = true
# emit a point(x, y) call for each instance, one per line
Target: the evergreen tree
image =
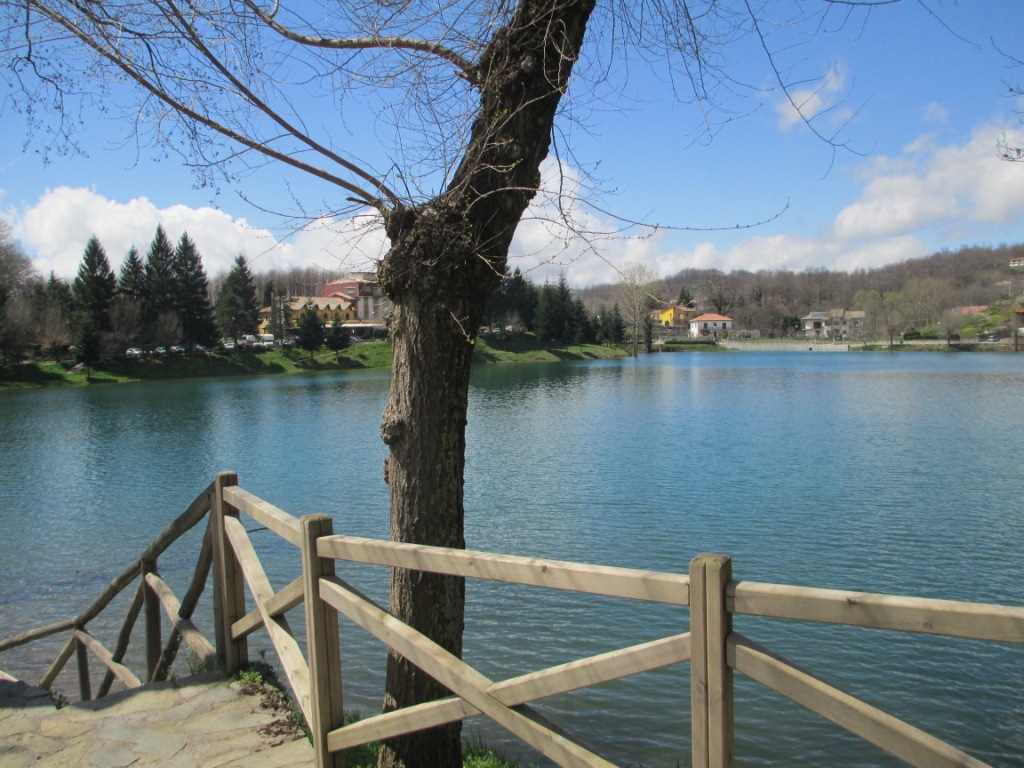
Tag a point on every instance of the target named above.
point(554, 318)
point(338, 339)
point(158, 298)
point(310, 331)
point(94, 287)
point(60, 295)
point(523, 298)
point(127, 312)
point(237, 310)
point(617, 325)
point(544, 320)
point(582, 324)
point(192, 295)
point(132, 282)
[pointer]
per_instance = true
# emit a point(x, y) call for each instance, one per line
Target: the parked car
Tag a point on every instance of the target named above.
point(354, 339)
point(177, 349)
point(287, 342)
point(199, 349)
point(161, 350)
point(229, 346)
point(133, 352)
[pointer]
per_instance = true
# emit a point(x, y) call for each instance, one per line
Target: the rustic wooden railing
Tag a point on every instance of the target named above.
point(711, 646)
point(151, 594)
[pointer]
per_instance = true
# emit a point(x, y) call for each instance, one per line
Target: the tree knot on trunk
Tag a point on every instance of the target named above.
point(392, 427)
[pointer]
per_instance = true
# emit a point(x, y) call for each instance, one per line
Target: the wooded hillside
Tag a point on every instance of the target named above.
point(916, 292)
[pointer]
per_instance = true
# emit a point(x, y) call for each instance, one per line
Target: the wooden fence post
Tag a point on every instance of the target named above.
point(229, 594)
point(82, 656)
point(711, 677)
point(322, 643)
point(152, 613)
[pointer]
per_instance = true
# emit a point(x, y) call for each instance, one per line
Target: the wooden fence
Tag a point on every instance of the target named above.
point(715, 652)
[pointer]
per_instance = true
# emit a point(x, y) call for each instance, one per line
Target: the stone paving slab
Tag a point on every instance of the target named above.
point(203, 722)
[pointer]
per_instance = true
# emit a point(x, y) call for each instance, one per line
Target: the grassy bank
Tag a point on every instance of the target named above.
point(370, 354)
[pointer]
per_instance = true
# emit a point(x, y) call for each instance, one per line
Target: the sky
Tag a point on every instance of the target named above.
point(917, 94)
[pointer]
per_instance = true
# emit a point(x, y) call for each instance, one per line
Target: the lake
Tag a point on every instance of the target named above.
point(878, 472)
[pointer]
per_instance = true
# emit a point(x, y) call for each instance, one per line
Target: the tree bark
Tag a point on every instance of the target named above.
point(447, 257)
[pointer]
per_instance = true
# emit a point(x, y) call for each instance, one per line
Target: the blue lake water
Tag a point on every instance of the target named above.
point(871, 471)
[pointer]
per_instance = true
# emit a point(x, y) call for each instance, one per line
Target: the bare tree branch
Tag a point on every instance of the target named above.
point(464, 67)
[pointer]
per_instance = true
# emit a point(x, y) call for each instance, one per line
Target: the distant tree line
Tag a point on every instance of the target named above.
point(553, 312)
point(911, 294)
point(166, 298)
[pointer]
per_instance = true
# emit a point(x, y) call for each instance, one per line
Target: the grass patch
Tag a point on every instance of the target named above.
point(527, 348)
point(475, 754)
point(689, 345)
point(260, 679)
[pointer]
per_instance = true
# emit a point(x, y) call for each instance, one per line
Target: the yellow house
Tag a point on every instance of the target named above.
point(332, 311)
point(673, 317)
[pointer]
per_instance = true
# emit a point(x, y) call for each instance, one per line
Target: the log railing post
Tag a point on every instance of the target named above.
point(322, 644)
point(152, 617)
point(711, 687)
point(229, 595)
point(82, 656)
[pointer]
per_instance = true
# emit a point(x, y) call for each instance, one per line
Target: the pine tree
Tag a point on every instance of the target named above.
point(554, 313)
point(192, 295)
point(127, 312)
point(582, 323)
point(94, 287)
point(310, 335)
point(338, 339)
point(132, 282)
point(237, 310)
point(158, 301)
point(618, 325)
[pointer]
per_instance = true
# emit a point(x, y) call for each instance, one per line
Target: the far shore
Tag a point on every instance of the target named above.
point(362, 356)
point(490, 349)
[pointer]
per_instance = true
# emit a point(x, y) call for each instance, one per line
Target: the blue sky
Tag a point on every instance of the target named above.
point(921, 107)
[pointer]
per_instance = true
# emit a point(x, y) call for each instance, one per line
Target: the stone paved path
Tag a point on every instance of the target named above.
point(200, 722)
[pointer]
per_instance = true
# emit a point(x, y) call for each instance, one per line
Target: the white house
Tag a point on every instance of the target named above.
point(836, 324)
point(710, 325)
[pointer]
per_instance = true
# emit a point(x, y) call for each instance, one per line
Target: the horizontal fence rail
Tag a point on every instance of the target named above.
point(707, 591)
point(972, 621)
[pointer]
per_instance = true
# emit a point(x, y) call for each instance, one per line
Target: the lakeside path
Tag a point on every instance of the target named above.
point(785, 346)
point(200, 722)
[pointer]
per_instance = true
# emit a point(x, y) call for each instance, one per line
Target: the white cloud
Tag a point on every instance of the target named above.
point(910, 204)
point(927, 197)
point(955, 187)
point(56, 228)
point(807, 104)
point(934, 112)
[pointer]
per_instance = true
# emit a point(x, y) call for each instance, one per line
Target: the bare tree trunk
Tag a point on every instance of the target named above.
point(447, 257)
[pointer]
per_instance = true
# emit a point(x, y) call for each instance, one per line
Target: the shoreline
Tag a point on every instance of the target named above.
point(368, 355)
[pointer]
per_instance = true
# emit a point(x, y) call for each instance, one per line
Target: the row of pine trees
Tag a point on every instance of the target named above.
point(163, 299)
point(553, 313)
